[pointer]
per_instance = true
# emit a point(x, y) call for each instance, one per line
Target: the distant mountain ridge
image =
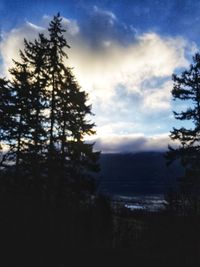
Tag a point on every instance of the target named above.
point(137, 174)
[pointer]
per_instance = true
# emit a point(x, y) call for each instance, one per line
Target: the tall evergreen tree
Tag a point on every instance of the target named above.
point(187, 88)
point(21, 90)
point(34, 55)
point(68, 110)
point(78, 158)
point(57, 43)
point(48, 114)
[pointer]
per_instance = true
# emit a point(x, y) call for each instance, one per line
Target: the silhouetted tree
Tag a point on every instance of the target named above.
point(67, 119)
point(78, 160)
point(4, 107)
point(34, 55)
point(56, 55)
point(19, 134)
point(187, 88)
point(48, 113)
point(5, 116)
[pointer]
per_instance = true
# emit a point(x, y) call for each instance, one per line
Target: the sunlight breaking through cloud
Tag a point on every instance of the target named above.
point(132, 79)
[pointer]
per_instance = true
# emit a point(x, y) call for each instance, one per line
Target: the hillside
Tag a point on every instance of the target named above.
point(140, 173)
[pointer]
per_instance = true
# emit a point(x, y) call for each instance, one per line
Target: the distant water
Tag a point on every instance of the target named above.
point(150, 203)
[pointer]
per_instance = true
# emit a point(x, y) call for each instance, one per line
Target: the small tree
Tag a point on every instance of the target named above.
point(187, 88)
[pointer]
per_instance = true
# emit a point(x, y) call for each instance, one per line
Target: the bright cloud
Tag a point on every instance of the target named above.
point(13, 41)
point(126, 80)
point(149, 56)
point(158, 98)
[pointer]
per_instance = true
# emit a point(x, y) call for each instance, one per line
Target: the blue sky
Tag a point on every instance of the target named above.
point(123, 53)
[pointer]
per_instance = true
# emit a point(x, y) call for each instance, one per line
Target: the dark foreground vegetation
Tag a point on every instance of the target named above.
point(34, 228)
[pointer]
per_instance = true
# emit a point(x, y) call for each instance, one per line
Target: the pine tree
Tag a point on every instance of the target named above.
point(21, 90)
point(4, 110)
point(57, 43)
point(78, 158)
point(5, 116)
point(68, 110)
point(187, 88)
point(34, 55)
point(48, 117)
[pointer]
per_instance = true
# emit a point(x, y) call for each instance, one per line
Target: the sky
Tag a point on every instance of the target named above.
point(123, 54)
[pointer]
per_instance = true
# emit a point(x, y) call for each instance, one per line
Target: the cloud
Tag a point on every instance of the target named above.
point(99, 26)
point(101, 71)
point(127, 74)
point(158, 98)
point(132, 143)
point(13, 41)
point(70, 25)
point(129, 66)
point(103, 15)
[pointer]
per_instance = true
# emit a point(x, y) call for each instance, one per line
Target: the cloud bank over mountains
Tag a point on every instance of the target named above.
point(126, 73)
point(132, 143)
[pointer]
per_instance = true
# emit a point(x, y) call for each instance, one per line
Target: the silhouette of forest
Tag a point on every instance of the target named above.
point(49, 175)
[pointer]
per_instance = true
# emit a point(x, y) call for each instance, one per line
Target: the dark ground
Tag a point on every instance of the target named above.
point(35, 233)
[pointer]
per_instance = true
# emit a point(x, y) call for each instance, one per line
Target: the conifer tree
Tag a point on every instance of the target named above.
point(5, 116)
point(78, 158)
point(48, 116)
point(5, 97)
point(21, 90)
point(187, 88)
point(68, 110)
point(34, 55)
point(57, 43)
